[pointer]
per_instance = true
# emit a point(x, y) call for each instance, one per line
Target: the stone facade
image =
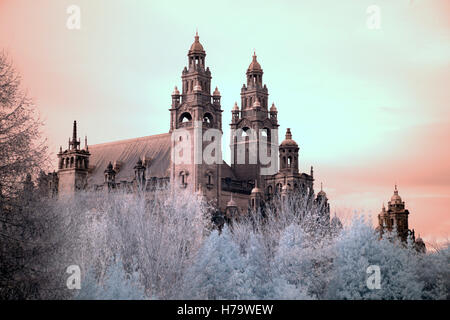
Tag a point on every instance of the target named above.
point(147, 162)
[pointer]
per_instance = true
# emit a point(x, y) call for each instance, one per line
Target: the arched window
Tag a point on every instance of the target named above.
point(185, 117)
point(208, 118)
point(183, 179)
point(289, 162)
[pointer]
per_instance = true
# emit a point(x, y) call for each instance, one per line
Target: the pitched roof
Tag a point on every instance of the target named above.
point(126, 153)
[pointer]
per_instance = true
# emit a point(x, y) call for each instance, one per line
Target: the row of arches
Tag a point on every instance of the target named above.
point(74, 162)
point(186, 117)
point(247, 102)
point(188, 85)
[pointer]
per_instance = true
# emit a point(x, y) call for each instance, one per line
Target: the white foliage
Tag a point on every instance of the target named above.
point(358, 248)
point(116, 284)
point(218, 272)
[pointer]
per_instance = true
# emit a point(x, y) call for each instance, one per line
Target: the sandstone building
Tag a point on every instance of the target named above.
point(396, 216)
point(148, 162)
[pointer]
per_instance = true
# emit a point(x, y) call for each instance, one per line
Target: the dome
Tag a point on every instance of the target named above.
point(196, 47)
point(231, 203)
point(395, 197)
point(216, 92)
point(235, 107)
point(321, 192)
point(175, 91)
point(273, 108)
point(256, 190)
point(254, 66)
point(288, 142)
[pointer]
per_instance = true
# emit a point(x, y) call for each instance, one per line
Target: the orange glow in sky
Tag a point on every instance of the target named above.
point(368, 107)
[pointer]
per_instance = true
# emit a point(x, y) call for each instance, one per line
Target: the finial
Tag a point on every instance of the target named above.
point(321, 186)
point(74, 135)
point(288, 133)
point(312, 171)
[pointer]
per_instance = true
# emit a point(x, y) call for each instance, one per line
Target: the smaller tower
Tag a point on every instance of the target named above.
point(231, 211)
point(395, 216)
point(110, 177)
point(322, 204)
point(235, 113)
point(288, 153)
point(139, 173)
point(256, 197)
point(73, 165)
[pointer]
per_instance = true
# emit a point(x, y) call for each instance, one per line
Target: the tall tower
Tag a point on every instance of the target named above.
point(196, 127)
point(73, 165)
point(395, 215)
point(254, 128)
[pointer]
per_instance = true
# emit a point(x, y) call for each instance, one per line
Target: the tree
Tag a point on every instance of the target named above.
point(22, 154)
point(218, 271)
point(357, 248)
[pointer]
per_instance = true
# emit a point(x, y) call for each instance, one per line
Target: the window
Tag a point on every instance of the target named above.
point(185, 117)
point(208, 118)
point(183, 179)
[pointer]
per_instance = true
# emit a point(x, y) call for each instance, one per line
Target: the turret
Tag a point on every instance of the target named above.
point(73, 165)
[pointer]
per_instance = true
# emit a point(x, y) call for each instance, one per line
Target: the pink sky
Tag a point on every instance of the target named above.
point(368, 108)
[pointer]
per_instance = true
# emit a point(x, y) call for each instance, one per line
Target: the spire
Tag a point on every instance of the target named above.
point(321, 186)
point(312, 171)
point(74, 135)
point(231, 203)
point(288, 134)
point(85, 143)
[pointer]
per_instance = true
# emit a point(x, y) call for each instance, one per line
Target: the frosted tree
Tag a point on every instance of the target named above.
point(218, 271)
point(357, 248)
point(22, 154)
point(115, 284)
